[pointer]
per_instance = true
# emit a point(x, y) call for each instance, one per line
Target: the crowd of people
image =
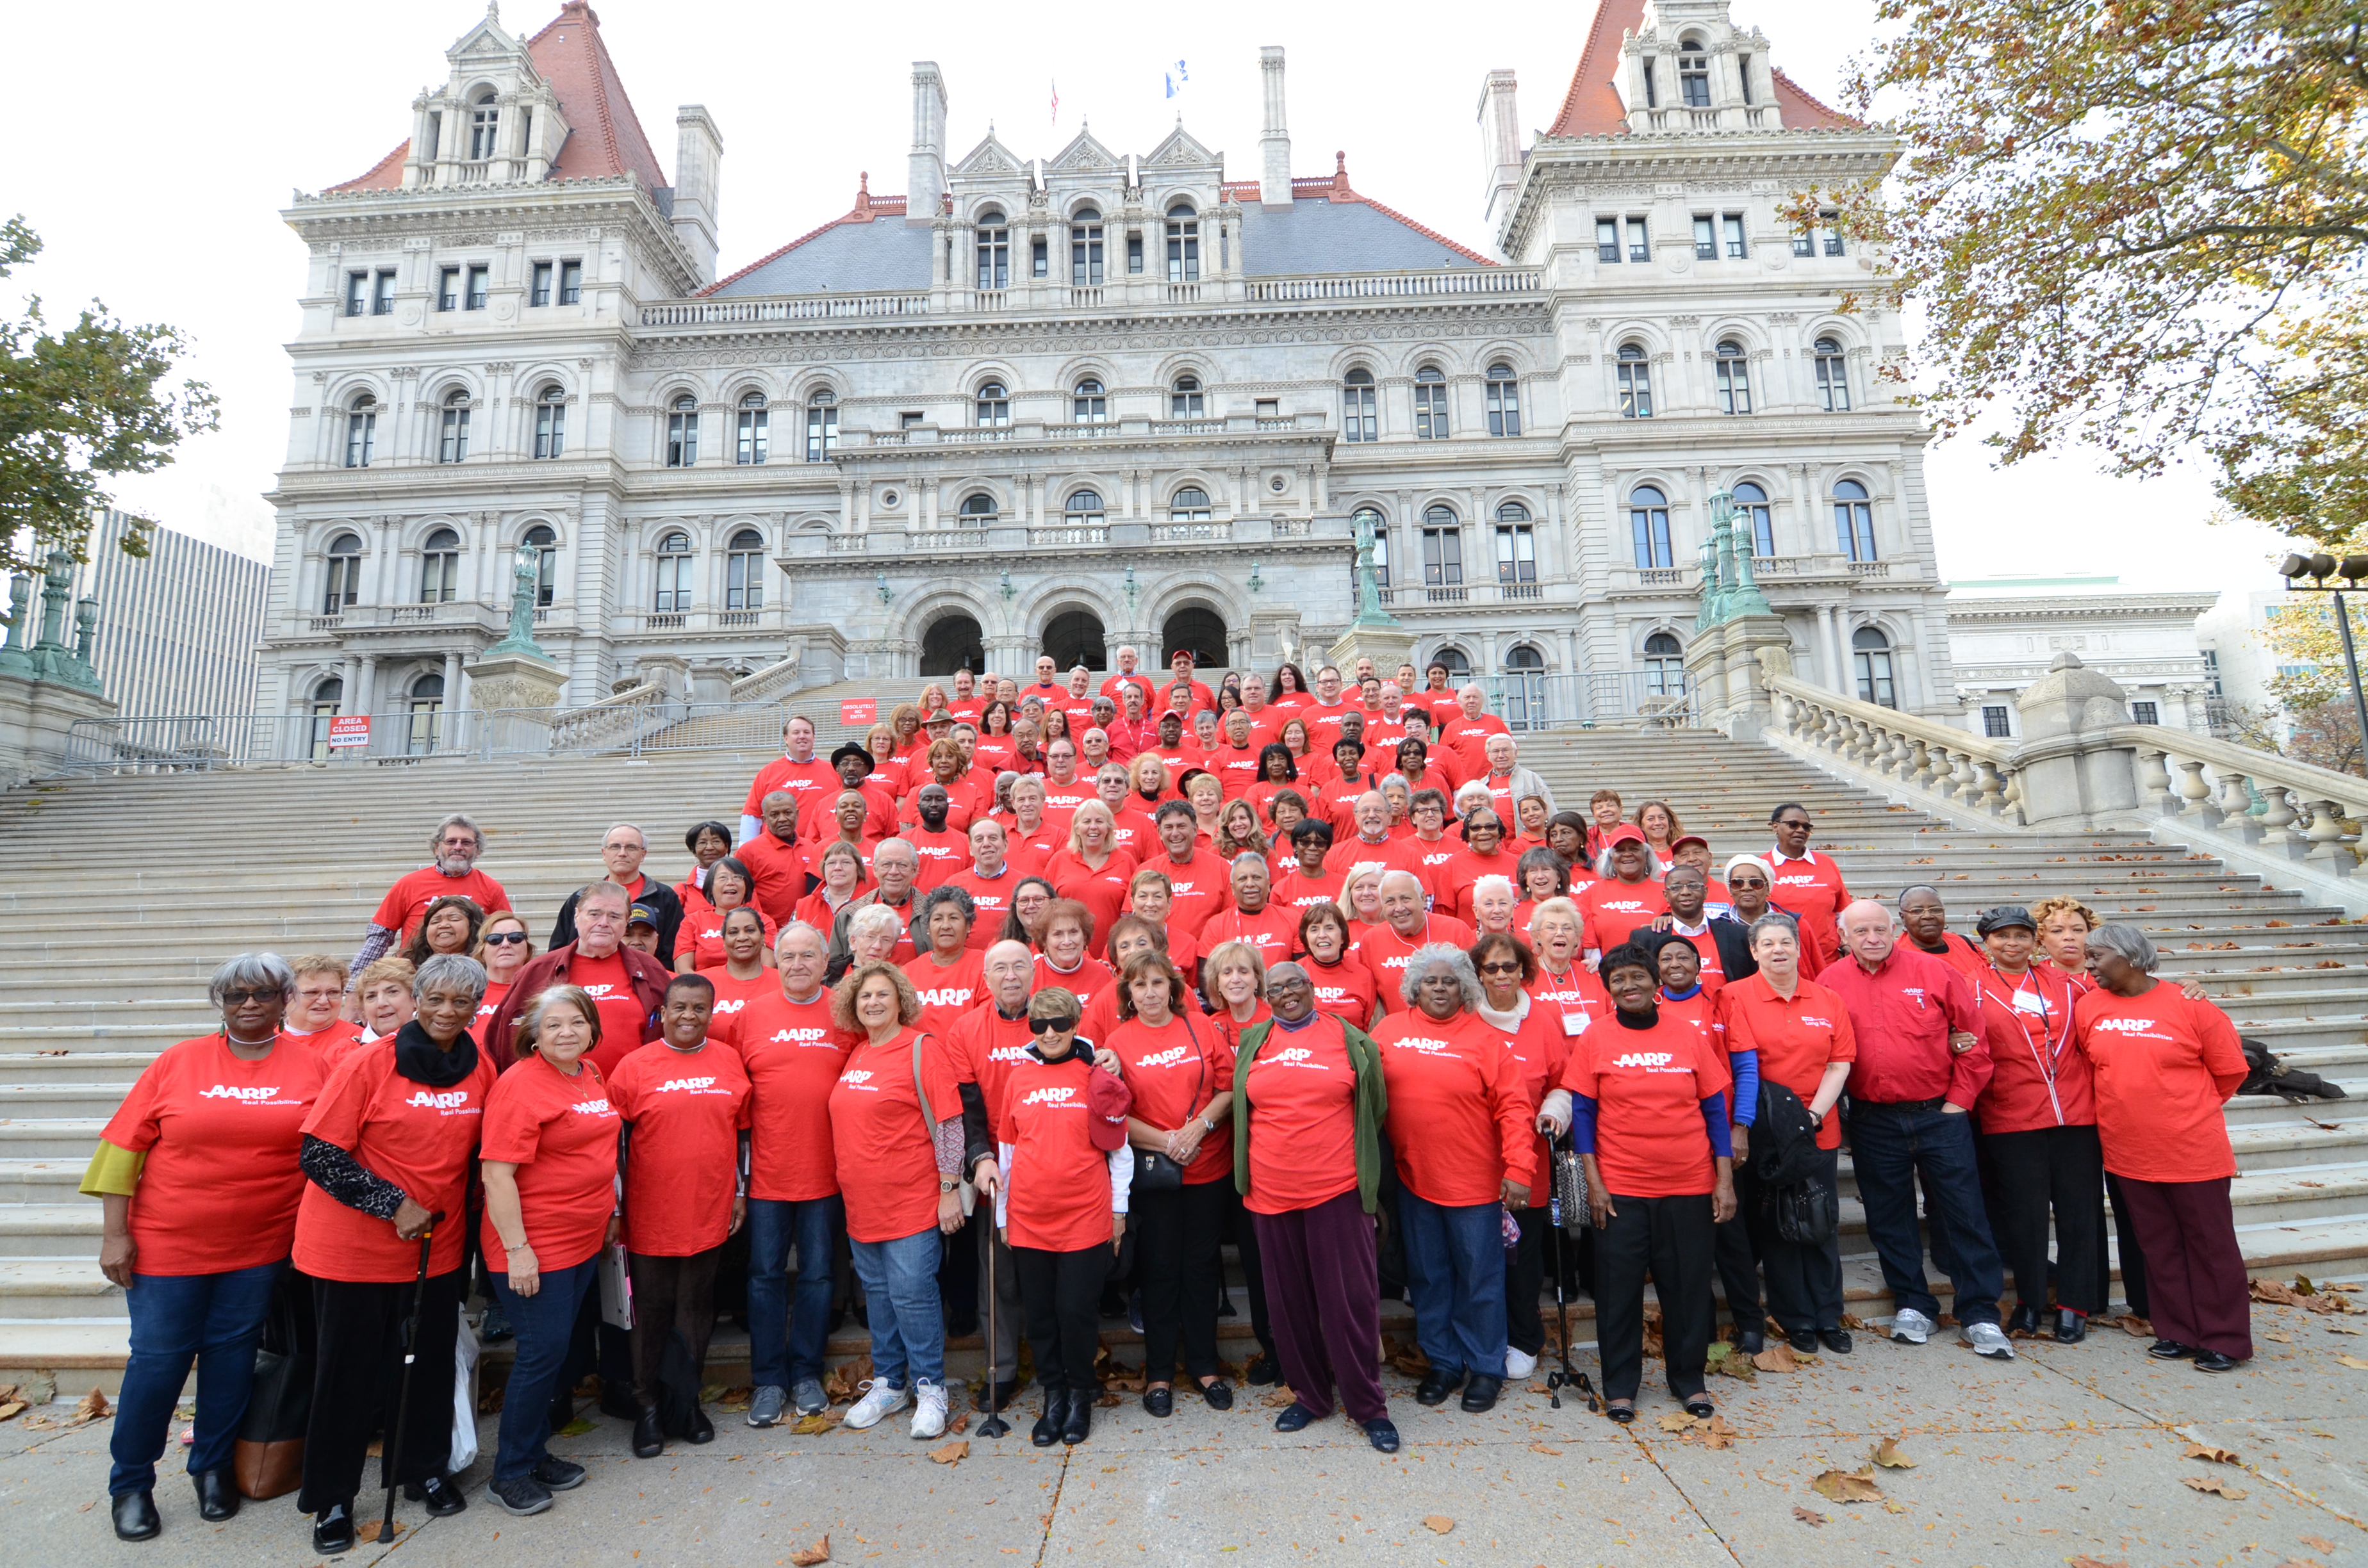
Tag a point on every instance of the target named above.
point(1112, 977)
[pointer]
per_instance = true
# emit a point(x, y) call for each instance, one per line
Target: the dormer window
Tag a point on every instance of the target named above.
point(994, 252)
point(1086, 248)
point(1183, 244)
point(484, 125)
point(1693, 74)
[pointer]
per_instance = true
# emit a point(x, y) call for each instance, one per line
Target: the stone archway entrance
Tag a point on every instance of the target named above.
point(952, 642)
point(1073, 637)
point(1200, 630)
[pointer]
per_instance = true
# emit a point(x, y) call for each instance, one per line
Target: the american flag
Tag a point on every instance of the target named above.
point(1056, 102)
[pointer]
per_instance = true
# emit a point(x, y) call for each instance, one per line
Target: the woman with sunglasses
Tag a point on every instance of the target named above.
point(503, 948)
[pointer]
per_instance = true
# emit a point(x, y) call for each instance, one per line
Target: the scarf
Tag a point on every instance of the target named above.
point(422, 1061)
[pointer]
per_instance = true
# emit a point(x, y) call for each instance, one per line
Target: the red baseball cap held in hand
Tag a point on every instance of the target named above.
point(1108, 1100)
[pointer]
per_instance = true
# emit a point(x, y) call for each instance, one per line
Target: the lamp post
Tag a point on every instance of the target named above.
point(2318, 568)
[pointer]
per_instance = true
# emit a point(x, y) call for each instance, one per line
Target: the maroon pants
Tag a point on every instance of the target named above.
point(2196, 1284)
point(1323, 1297)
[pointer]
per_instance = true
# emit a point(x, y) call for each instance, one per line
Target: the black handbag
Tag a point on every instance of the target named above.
point(1807, 1213)
point(1154, 1171)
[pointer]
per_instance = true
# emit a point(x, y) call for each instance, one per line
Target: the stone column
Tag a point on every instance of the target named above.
point(366, 691)
point(452, 738)
point(1830, 651)
point(2071, 772)
point(350, 705)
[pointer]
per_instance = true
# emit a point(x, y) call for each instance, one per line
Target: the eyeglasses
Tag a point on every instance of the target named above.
point(504, 938)
point(1047, 1025)
point(1506, 967)
point(240, 998)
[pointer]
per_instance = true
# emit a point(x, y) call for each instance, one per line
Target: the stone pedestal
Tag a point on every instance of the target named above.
point(711, 682)
point(513, 681)
point(36, 717)
point(1388, 646)
point(1723, 664)
point(2070, 772)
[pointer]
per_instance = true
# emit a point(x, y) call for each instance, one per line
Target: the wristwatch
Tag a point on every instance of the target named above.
point(1208, 1125)
point(948, 1184)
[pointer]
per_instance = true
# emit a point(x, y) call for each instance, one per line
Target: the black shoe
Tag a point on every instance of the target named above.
point(135, 1515)
point(621, 1405)
point(962, 1328)
point(1837, 1340)
point(332, 1529)
point(1294, 1418)
point(1480, 1393)
point(648, 1441)
point(1113, 1305)
point(1437, 1385)
point(2025, 1319)
point(1047, 1430)
point(443, 1498)
point(1803, 1341)
point(1751, 1341)
point(1218, 1392)
point(1079, 1422)
point(1003, 1392)
point(1159, 1401)
point(217, 1496)
point(1382, 1432)
point(2214, 1361)
point(701, 1429)
point(2171, 1350)
point(1264, 1369)
point(522, 1496)
point(2071, 1327)
point(559, 1474)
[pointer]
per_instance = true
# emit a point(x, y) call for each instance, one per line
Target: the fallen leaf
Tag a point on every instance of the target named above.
point(735, 1400)
point(2318, 1543)
point(816, 1425)
point(1440, 1524)
point(2086, 1562)
point(1891, 1505)
point(576, 1428)
point(960, 1424)
point(952, 1453)
point(2339, 1328)
point(1541, 1448)
point(1887, 1455)
point(12, 1408)
point(1851, 1320)
point(1847, 1486)
point(94, 1407)
point(1809, 1516)
point(2215, 1456)
point(840, 1386)
point(2353, 1361)
point(807, 1556)
point(2134, 1326)
point(1777, 1358)
point(1676, 1421)
point(1281, 1397)
point(2212, 1483)
point(1718, 1433)
point(372, 1532)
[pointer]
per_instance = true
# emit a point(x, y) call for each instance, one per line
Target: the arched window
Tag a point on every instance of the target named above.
point(1504, 401)
point(1085, 509)
point(485, 126)
point(326, 699)
point(1752, 508)
point(1522, 656)
point(1359, 420)
point(1853, 521)
point(674, 575)
point(546, 574)
point(426, 715)
point(1871, 652)
point(361, 431)
point(822, 427)
point(744, 570)
point(1693, 74)
point(1635, 382)
point(1665, 666)
point(344, 573)
point(1648, 526)
point(1086, 248)
point(978, 508)
point(439, 567)
point(993, 407)
point(1833, 376)
point(1091, 403)
point(682, 433)
point(1733, 378)
point(1190, 504)
point(1517, 545)
point(1430, 404)
point(1184, 401)
point(1183, 244)
point(1442, 549)
point(453, 445)
point(994, 251)
point(1458, 663)
point(549, 422)
point(755, 429)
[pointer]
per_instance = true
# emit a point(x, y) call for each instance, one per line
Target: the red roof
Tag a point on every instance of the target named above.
point(1592, 108)
point(605, 135)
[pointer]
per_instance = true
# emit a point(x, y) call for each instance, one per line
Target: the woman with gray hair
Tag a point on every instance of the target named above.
point(873, 933)
point(1459, 1124)
point(197, 1170)
point(2163, 1064)
point(387, 1151)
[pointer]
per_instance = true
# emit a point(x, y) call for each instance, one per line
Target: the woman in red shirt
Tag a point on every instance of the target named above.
point(995, 747)
point(504, 948)
point(1649, 1114)
point(2038, 1118)
point(700, 943)
point(946, 973)
point(549, 1163)
point(197, 1173)
point(744, 973)
point(841, 866)
point(388, 1147)
point(451, 926)
point(1532, 1034)
point(1092, 869)
point(1062, 959)
point(684, 1106)
point(1181, 1076)
point(1460, 1128)
point(1344, 985)
point(2163, 1065)
point(1800, 1034)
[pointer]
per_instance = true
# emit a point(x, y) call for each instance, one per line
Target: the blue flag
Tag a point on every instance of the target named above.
point(1177, 78)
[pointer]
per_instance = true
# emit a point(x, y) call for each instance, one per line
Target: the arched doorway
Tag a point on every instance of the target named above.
point(1199, 629)
point(1073, 637)
point(1525, 687)
point(952, 642)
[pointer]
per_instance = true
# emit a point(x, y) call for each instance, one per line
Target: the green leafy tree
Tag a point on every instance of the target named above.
point(78, 407)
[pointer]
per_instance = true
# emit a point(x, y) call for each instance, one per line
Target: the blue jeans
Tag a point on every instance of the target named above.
point(546, 1328)
point(787, 1334)
point(1455, 1277)
point(214, 1320)
point(908, 1323)
point(1891, 1147)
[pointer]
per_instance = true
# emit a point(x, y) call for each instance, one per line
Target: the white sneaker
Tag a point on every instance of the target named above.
point(879, 1400)
point(928, 1408)
point(1518, 1363)
point(1909, 1326)
point(1987, 1339)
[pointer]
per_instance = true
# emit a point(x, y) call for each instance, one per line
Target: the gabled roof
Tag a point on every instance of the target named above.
point(605, 136)
point(867, 249)
point(1592, 107)
point(1333, 227)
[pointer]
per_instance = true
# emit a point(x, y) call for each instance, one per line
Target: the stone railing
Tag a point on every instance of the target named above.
point(734, 312)
point(1399, 285)
point(1936, 764)
point(613, 721)
point(2284, 807)
point(773, 680)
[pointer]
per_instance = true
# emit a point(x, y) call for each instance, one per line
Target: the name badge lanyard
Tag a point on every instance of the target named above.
point(2048, 1036)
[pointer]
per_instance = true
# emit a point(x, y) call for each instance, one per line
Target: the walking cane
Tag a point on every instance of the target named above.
point(391, 1454)
point(995, 1425)
point(1569, 1376)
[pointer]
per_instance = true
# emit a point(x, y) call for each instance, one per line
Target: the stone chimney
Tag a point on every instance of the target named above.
point(1501, 148)
point(698, 180)
point(1274, 142)
point(925, 186)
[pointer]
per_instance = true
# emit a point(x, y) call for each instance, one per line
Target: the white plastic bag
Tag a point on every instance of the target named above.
point(464, 1399)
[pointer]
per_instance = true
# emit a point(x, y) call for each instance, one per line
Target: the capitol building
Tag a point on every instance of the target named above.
point(1059, 399)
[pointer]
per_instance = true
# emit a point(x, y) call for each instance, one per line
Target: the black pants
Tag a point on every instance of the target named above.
point(1672, 1239)
point(1738, 1264)
point(2050, 1168)
point(1177, 1257)
point(671, 1294)
point(1063, 1292)
point(1244, 1235)
point(2133, 1256)
point(357, 1382)
point(1804, 1283)
point(1525, 1275)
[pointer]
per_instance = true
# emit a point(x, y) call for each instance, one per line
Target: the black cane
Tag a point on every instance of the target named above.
point(391, 1454)
point(1570, 1377)
point(995, 1425)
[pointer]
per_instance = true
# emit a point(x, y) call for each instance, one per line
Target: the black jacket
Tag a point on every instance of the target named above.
point(662, 901)
point(1734, 939)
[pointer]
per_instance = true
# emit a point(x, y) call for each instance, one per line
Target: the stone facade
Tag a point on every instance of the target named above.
point(1097, 398)
point(2004, 635)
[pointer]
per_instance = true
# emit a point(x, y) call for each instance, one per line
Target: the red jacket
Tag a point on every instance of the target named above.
point(650, 980)
point(1902, 1015)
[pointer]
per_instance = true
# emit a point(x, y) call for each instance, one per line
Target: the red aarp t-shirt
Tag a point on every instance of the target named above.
point(1174, 1070)
point(811, 781)
point(1060, 1194)
point(418, 1138)
point(1272, 932)
point(1103, 891)
point(992, 897)
point(1090, 981)
point(1458, 1122)
point(1613, 911)
point(2162, 1067)
point(1649, 1085)
point(1302, 1128)
point(983, 1046)
point(792, 1054)
point(687, 1108)
point(1385, 953)
point(1344, 989)
point(621, 1013)
point(405, 903)
point(948, 991)
point(560, 1133)
point(1543, 1051)
point(887, 1166)
point(1199, 888)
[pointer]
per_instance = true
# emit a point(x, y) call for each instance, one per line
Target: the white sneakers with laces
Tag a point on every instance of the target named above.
point(1518, 1363)
point(879, 1401)
point(1987, 1339)
point(928, 1408)
point(1909, 1326)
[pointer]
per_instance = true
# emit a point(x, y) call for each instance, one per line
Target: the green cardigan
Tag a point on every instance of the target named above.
point(1372, 1104)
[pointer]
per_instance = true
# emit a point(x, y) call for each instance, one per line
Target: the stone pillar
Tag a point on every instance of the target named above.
point(2071, 773)
point(366, 692)
point(350, 704)
point(453, 740)
point(1830, 652)
point(1749, 708)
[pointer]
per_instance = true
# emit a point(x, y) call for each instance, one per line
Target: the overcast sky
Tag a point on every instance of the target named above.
point(161, 193)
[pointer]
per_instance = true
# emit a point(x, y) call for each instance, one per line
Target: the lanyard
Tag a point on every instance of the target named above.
point(2048, 1034)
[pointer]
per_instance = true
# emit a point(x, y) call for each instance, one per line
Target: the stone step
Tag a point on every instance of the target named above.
point(33, 1101)
point(52, 1229)
point(40, 1181)
point(51, 1138)
point(55, 1287)
point(86, 1067)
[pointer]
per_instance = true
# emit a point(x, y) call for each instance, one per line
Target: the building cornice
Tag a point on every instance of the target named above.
point(2084, 608)
point(451, 213)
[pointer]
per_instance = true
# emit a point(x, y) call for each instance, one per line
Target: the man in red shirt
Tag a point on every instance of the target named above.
point(776, 860)
point(1044, 689)
point(1175, 753)
point(1437, 697)
point(1130, 733)
point(1271, 930)
point(1430, 850)
point(990, 881)
point(1064, 791)
point(1197, 882)
point(1922, 1062)
point(1406, 925)
point(1131, 828)
point(1370, 843)
point(1266, 722)
point(942, 850)
point(1806, 886)
point(1467, 733)
point(986, 1043)
point(1128, 657)
point(1323, 715)
point(456, 843)
point(797, 770)
point(967, 704)
point(852, 766)
point(1180, 664)
point(627, 986)
point(1234, 759)
point(1077, 703)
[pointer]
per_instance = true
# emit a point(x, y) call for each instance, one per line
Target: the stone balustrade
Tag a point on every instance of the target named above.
point(1934, 762)
point(2284, 807)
